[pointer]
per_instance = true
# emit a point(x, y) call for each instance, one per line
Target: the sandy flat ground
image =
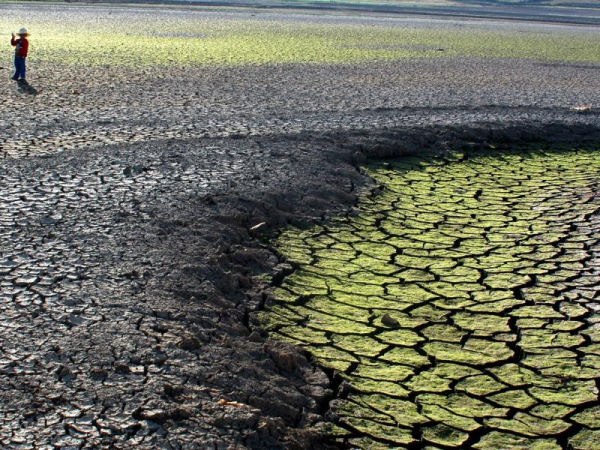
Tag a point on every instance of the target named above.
point(127, 264)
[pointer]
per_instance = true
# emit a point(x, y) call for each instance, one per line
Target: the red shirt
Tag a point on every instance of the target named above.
point(22, 45)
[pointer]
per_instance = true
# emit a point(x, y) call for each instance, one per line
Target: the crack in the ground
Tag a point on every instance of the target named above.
point(529, 354)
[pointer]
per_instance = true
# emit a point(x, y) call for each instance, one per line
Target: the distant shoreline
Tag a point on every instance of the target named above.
point(576, 14)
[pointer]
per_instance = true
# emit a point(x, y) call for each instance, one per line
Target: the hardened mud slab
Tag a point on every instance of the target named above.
point(459, 305)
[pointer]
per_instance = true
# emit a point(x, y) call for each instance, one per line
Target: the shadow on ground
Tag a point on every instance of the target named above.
point(26, 88)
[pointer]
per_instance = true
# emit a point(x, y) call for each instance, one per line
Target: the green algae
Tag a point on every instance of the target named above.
point(229, 40)
point(589, 418)
point(528, 425)
point(401, 336)
point(474, 351)
point(551, 411)
point(444, 333)
point(382, 371)
point(393, 434)
point(572, 393)
point(439, 414)
point(491, 329)
point(513, 399)
point(408, 356)
point(496, 441)
point(359, 345)
point(463, 405)
point(368, 386)
point(481, 385)
point(445, 435)
point(585, 440)
point(404, 413)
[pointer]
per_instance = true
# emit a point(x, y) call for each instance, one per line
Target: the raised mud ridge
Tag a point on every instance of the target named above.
point(130, 275)
point(458, 305)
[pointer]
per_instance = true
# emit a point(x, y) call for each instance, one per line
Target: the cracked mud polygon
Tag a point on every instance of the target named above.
point(459, 303)
point(157, 151)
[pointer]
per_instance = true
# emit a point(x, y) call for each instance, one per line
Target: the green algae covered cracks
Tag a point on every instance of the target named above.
point(487, 268)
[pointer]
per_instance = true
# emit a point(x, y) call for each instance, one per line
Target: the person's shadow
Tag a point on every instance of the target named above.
point(26, 88)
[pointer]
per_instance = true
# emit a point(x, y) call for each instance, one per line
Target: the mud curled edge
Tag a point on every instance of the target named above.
point(456, 305)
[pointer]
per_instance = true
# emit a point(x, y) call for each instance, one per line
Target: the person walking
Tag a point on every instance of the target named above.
point(21, 50)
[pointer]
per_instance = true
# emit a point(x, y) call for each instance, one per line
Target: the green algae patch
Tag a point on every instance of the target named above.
point(367, 386)
point(404, 413)
point(570, 392)
point(475, 351)
point(513, 399)
point(496, 440)
point(438, 414)
point(589, 418)
point(552, 411)
point(480, 385)
point(237, 39)
point(445, 435)
point(458, 304)
point(393, 435)
point(528, 425)
point(585, 440)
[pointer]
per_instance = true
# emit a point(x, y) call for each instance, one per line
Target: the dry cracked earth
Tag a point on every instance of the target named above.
point(131, 267)
point(458, 306)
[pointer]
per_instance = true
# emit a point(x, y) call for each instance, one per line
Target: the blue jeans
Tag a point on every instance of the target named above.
point(19, 68)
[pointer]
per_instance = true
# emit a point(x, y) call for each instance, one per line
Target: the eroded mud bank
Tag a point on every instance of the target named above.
point(457, 305)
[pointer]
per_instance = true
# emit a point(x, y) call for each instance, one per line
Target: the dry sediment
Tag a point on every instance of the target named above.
point(128, 275)
point(128, 268)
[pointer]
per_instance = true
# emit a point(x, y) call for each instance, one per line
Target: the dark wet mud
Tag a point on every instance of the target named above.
point(457, 306)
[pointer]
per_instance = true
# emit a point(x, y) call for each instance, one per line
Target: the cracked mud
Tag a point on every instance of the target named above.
point(458, 305)
point(132, 178)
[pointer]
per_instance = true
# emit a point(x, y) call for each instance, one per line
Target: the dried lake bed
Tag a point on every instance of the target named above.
point(458, 305)
point(132, 275)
